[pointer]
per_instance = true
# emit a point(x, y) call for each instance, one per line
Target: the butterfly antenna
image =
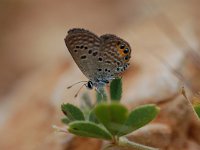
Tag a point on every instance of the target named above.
point(79, 90)
point(75, 84)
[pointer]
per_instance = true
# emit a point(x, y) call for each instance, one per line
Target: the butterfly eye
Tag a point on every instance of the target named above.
point(89, 85)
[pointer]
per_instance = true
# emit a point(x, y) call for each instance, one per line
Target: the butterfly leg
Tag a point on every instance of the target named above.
point(97, 90)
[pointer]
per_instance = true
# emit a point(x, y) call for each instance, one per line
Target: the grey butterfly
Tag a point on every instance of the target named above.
point(101, 59)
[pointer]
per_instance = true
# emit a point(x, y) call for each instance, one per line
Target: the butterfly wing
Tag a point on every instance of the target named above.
point(100, 59)
point(84, 46)
point(117, 54)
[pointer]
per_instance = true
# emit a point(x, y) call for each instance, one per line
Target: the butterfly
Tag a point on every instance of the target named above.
point(101, 59)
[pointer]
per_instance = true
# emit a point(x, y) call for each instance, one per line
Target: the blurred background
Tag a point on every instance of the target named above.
point(36, 68)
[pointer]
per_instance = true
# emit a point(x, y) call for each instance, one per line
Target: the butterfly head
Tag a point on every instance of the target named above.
point(89, 85)
point(97, 84)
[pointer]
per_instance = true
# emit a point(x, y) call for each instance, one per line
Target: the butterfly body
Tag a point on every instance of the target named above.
point(101, 59)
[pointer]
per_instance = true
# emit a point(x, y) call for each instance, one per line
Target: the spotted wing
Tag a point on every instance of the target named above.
point(84, 47)
point(116, 54)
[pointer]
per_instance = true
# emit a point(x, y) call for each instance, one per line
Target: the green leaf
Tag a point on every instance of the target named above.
point(197, 109)
point(139, 117)
point(196, 104)
point(116, 89)
point(89, 129)
point(112, 116)
point(65, 120)
point(72, 112)
point(101, 95)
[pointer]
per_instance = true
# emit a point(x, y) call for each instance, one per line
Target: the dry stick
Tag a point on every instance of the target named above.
point(177, 74)
point(180, 77)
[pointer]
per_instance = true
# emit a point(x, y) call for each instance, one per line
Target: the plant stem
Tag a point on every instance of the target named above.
point(125, 142)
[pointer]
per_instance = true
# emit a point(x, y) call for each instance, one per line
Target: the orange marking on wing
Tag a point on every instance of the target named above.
point(121, 52)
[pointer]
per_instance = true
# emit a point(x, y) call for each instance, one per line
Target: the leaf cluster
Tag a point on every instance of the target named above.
point(107, 120)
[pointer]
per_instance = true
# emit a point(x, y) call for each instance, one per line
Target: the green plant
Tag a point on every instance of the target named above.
point(108, 120)
point(197, 109)
point(195, 103)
